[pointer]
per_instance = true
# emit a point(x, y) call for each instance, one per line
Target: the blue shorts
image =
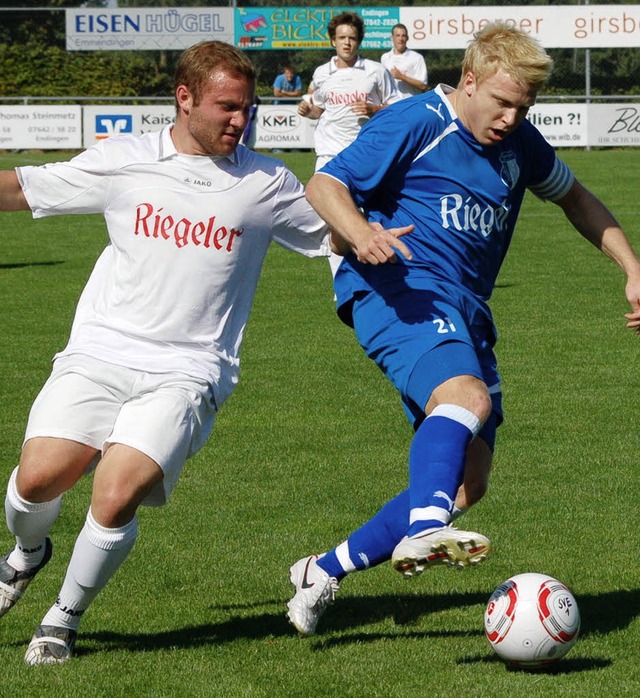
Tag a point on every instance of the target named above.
point(420, 338)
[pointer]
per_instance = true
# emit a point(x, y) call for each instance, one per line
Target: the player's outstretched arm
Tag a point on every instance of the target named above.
point(350, 230)
point(11, 195)
point(596, 223)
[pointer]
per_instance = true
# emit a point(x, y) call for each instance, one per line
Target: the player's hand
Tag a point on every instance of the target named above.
point(382, 245)
point(304, 108)
point(633, 319)
point(633, 296)
point(363, 108)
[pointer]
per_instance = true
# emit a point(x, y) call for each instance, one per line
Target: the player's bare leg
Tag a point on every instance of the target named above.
point(123, 478)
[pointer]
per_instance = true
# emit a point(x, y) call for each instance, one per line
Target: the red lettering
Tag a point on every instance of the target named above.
point(181, 237)
point(196, 232)
point(165, 226)
point(207, 239)
point(234, 233)
point(141, 219)
point(183, 230)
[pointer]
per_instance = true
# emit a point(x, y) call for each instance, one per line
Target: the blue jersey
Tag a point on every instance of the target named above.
point(416, 163)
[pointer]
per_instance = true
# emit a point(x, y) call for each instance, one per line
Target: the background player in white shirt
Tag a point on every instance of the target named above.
point(407, 67)
point(154, 347)
point(347, 92)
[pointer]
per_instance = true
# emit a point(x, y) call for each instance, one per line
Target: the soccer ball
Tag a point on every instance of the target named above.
point(531, 620)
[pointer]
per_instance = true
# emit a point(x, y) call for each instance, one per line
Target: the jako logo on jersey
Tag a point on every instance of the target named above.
point(510, 170)
point(113, 124)
point(154, 223)
point(466, 214)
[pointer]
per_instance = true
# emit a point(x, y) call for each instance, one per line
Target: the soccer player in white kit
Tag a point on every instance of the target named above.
point(154, 347)
point(348, 91)
point(407, 67)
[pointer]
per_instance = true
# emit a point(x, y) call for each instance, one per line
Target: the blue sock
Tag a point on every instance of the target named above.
point(373, 542)
point(436, 465)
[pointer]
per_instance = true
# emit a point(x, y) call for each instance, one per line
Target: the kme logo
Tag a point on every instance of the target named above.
point(276, 122)
point(113, 124)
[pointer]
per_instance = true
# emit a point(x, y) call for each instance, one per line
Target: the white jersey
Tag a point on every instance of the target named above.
point(410, 63)
point(188, 236)
point(336, 90)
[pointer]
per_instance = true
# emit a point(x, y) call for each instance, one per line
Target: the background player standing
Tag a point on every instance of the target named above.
point(347, 92)
point(407, 67)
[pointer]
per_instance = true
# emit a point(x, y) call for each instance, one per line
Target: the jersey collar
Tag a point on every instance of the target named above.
point(359, 64)
point(167, 149)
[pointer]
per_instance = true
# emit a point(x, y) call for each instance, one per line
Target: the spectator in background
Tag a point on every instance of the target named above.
point(347, 92)
point(407, 67)
point(288, 84)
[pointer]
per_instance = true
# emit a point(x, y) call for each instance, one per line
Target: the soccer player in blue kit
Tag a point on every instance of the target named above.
point(423, 206)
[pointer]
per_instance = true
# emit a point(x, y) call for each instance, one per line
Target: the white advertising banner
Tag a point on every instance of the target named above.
point(280, 126)
point(104, 121)
point(563, 125)
point(614, 124)
point(45, 127)
point(136, 28)
point(555, 26)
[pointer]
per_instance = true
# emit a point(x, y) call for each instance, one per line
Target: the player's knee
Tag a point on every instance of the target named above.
point(34, 483)
point(466, 391)
point(113, 503)
point(480, 402)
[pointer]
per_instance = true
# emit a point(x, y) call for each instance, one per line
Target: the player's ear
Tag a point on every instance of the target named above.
point(469, 83)
point(184, 98)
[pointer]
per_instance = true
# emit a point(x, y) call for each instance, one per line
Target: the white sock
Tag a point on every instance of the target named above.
point(456, 513)
point(97, 555)
point(30, 523)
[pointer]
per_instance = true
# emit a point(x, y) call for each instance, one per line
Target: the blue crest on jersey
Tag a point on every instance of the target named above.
point(510, 170)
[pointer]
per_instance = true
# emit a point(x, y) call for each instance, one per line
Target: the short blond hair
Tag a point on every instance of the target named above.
point(501, 46)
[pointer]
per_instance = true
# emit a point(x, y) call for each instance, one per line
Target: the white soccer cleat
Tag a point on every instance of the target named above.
point(442, 546)
point(50, 645)
point(315, 592)
point(13, 583)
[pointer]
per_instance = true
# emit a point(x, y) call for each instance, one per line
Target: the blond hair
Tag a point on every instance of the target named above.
point(501, 46)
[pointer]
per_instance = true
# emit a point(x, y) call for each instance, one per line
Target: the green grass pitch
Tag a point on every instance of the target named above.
point(311, 444)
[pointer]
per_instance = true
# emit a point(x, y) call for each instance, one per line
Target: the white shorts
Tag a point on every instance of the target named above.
point(166, 416)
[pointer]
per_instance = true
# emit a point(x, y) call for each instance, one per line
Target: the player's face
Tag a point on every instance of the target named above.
point(399, 37)
point(495, 107)
point(215, 125)
point(346, 43)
